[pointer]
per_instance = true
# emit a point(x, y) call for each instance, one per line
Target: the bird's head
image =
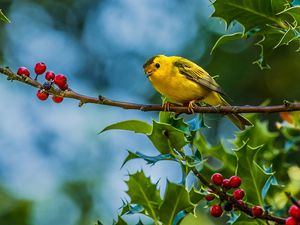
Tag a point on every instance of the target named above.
point(154, 64)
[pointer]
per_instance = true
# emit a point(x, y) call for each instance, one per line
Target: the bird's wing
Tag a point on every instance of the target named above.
point(195, 73)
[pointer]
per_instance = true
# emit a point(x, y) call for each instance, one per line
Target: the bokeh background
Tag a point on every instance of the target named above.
point(54, 167)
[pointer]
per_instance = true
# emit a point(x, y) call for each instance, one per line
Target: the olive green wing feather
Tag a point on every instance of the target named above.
point(195, 73)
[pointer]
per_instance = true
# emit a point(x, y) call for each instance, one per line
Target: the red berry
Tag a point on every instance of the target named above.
point(23, 71)
point(235, 181)
point(256, 211)
point(65, 87)
point(217, 179)
point(50, 75)
point(42, 95)
point(216, 211)
point(60, 80)
point(294, 212)
point(57, 99)
point(239, 194)
point(40, 68)
point(209, 197)
point(226, 184)
point(291, 221)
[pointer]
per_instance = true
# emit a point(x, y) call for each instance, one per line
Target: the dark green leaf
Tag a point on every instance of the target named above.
point(196, 196)
point(226, 159)
point(294, 12)
point(3, 17)
point(250, 13)
point(143, 192)
point(272, 38)
point(175, 200)
point(227, 38)
point(136, 126)
point(259, 135)
point(253, 176)
point(149, 159)
point(166, 137)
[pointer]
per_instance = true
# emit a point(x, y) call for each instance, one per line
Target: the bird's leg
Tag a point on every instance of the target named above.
point(192, 105)
point(166, 106)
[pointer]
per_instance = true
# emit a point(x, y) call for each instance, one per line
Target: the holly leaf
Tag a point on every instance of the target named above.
point(227, 38)
point(259, 135)
point(166, 137)
point(294, 12)
point(250, 13)
point(176, 199)
point(149, 159)
point(196, 196)
point(136, 126)
point(128, 208)
point(226, 159)
point(253, 176)
point(3, 17)
point(143, 192)
point(272, 38)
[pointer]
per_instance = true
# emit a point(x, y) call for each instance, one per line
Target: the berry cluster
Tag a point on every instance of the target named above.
point(231, 188)
point(59, 80)
point(294, 213)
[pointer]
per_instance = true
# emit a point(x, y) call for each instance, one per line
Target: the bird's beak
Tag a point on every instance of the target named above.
point(149, 72)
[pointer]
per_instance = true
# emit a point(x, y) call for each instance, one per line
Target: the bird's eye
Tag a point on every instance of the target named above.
point(157, 65)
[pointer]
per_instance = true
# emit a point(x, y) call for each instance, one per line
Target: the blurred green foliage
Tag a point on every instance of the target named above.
point(13, 210)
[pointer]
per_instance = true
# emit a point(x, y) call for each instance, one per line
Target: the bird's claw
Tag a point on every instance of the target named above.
point(166, 106)
point(191, 106)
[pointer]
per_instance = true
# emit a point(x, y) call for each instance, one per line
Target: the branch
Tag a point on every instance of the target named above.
point(285, 107)
point(244, 208)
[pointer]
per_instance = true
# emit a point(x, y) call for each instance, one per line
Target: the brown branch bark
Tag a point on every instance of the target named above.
point(285, 107)
point(243, 208)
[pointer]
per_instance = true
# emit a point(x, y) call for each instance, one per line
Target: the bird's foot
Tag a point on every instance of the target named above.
point(191, 106)
point(166, 106)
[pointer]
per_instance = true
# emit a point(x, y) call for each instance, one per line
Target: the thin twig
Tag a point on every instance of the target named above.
point(285, 107)
point(244, 208)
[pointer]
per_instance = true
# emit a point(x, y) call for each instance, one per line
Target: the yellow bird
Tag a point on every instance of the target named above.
point(185, 83)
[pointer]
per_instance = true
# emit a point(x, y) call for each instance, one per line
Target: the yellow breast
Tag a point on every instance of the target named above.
point(176, 87)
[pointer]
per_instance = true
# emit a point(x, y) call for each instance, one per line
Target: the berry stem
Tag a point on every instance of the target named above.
point(234, 202)
point(293, 200)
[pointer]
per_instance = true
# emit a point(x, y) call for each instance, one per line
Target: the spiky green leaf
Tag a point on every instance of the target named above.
point(175, 200)
point(253, 176)
point(166, 137)
point(250, 13)
point(136, 126)
point(149, 159)
point(143, 192)
point(227, 38)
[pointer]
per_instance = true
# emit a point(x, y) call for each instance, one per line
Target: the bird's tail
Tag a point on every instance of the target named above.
point(240, 121)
